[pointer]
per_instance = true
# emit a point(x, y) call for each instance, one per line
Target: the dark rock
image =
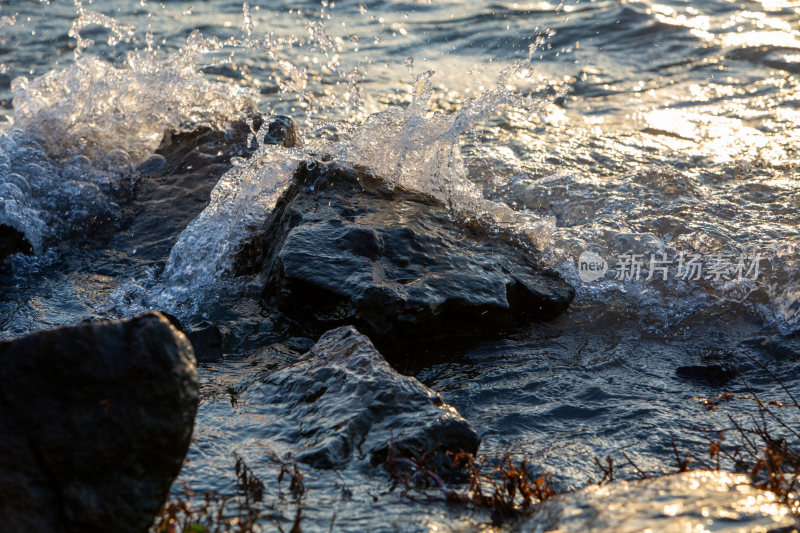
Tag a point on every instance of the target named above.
point(95, 421)
point(206, 338)
point(281, 130)
point(713, 374)
point(341, 248)
point(13, 241)
point(344, 402)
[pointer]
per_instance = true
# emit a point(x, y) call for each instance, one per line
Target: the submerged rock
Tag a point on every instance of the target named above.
point(95, 421)
point(343, 402)
point(341, 248)
point(713, 374)
point(692, 501)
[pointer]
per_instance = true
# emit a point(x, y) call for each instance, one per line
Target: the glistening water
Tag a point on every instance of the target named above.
point(661, 136)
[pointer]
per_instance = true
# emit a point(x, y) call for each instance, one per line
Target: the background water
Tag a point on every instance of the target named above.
point(622, 127)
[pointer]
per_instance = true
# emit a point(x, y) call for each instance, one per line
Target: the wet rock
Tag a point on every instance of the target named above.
point(206, 338)
point(343, 402)
point(183, 152)
point(179, 178)
point(692, 501)
point(341, 248)
point(95, 421)
point(713, 374)
point(282, 130)
point(13, 241)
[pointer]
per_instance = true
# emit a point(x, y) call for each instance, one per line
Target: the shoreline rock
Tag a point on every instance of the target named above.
point(95, 422)
point(691, 501)
point(341, 248)
point(342, 401)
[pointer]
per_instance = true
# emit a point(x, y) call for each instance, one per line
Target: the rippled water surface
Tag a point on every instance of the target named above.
point(635, 130)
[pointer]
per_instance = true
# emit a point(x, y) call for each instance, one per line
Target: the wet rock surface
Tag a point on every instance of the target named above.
point(205, 337)
point(177, 181)
point(343, 402)
point(341, 248)
point(95, 421)
point(692, 501)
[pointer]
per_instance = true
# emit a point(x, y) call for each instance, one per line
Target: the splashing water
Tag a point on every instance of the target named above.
point(408, 147)
point(421, 151)
point(417, 146)
point(79, 132)
point(93, 108)
point(88, 18)
point(201, 262)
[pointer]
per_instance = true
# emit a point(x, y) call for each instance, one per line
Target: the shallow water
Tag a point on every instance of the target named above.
point(656, 129)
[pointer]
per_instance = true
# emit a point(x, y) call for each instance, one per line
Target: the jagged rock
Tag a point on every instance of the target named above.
point(341, 248)
point(95, 421)
point(692, 501)
point(342, 401)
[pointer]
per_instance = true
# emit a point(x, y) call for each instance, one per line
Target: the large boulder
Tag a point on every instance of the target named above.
point(692, 501)
point(343, 402)
point(342, 248)
point(95, 421)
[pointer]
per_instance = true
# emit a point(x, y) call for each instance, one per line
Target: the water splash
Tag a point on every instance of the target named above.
point(201, 262)
point(92, 108)
point(79, 132)
point(421, 150)
point(87, 18)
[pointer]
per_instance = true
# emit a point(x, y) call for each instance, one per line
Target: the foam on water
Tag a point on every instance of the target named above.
point(77, 133)
point(109, 118)
point(410, 147)
point(92, 107)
